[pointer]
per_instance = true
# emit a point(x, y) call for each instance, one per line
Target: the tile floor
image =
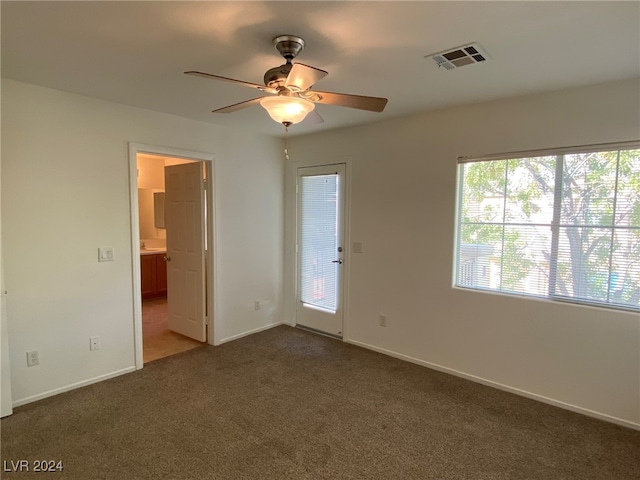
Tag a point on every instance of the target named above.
point(158, 340)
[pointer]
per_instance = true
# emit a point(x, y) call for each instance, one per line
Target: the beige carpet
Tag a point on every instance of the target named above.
point(288, 404)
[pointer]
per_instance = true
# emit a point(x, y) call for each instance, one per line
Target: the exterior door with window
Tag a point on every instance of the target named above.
point(320, 248)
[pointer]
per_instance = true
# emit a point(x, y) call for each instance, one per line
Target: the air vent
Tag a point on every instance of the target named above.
point(459, 56)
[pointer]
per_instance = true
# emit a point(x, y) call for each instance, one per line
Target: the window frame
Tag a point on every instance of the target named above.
point(556, 223)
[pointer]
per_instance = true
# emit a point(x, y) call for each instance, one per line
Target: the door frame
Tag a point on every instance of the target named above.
point(293, 239)
point(211, 255)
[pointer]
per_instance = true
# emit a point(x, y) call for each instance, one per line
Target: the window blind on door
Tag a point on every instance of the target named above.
point(319, 241)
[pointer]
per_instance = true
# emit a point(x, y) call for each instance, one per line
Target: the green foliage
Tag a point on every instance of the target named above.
point(484, 179)
point(599, 191)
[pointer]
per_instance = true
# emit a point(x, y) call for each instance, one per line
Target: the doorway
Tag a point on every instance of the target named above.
point(172, 244)
point(321, 193)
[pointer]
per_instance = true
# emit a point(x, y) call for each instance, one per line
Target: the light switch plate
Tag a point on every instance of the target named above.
point(105, 254)
point(357, 247)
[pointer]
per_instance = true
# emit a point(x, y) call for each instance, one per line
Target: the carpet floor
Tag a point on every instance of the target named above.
point(289, 404)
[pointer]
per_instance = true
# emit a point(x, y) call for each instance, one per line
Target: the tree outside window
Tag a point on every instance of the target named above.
point(565, 226)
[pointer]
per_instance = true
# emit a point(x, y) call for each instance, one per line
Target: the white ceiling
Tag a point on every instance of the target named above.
point(135, 53)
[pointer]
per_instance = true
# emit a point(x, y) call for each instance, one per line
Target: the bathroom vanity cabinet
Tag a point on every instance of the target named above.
point(153, 275)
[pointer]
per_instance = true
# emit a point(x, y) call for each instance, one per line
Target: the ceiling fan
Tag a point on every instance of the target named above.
point(291, 84)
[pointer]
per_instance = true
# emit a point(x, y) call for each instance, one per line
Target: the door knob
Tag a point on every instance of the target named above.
point(167, 258)
point(339, 261)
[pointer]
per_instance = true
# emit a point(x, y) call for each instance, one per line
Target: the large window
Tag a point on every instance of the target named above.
point(563, 225)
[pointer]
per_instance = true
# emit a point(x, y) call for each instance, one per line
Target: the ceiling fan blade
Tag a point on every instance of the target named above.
point(238, 106)
point(373, 104)
point(313, 118)
point(233, 80)
point(304, 76)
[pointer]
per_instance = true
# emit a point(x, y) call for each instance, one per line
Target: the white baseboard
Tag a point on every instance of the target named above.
point(250, 332)
point(500, 386)
point(73, 386)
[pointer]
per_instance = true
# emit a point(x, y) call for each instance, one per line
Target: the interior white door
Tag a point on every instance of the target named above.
point(320, 246)
point(185, 223)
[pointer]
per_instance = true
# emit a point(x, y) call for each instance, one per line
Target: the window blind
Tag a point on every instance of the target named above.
point(319, 243)
point(563, 225)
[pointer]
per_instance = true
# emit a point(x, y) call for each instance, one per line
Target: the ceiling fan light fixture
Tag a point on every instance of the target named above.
point(287, 110)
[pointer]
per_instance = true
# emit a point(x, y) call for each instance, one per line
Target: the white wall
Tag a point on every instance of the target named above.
point(65, 192)
point(5, 371)
point(403, 187)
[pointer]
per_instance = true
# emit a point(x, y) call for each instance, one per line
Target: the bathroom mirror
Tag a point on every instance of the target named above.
point(158, 209)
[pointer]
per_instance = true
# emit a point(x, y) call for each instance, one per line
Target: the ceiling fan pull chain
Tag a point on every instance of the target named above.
point(286, 149)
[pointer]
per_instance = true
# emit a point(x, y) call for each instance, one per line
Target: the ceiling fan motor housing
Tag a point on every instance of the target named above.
point(275, 77)
point(289, 46)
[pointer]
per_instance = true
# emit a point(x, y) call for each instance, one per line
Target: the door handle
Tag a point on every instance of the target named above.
point(339, 261)
point(167, 258)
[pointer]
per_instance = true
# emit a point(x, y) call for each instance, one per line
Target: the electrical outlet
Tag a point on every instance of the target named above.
point(33, 358)
point(94, 343)
point(256, 305)
point(383, 320)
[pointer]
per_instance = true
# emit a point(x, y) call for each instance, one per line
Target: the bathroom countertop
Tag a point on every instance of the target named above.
point(152, 251)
